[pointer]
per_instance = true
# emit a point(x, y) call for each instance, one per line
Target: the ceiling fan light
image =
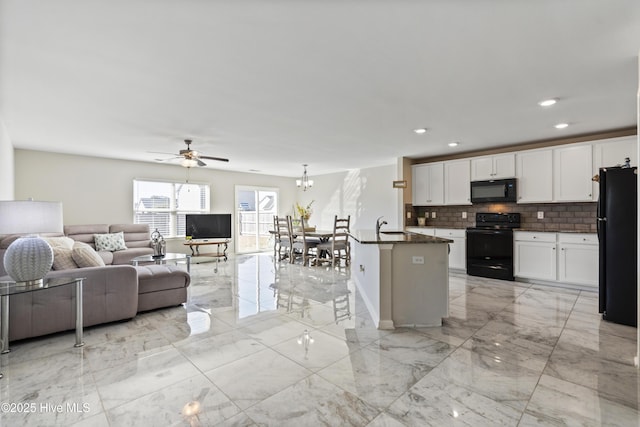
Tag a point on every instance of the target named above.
point(189, 163)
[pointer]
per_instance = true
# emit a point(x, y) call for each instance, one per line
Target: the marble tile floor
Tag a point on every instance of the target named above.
point(264, 344)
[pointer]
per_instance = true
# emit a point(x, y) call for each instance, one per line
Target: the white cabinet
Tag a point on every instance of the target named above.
point(457, 183)
point(457, 249)
point(572, 172)
point(535, 255)
point(428, 184)
point(493, 167)
point(565, 258)
point(612, 152)
point(578, 259)
point(427, 231)
point(534, 171)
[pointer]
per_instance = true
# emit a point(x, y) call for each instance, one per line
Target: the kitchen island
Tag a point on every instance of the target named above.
point(403, 277)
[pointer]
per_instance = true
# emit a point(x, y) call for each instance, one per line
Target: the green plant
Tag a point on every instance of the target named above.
point(304, 212)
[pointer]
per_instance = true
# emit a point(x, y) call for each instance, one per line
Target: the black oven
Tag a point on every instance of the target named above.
point(490, 245)
point(496, 190)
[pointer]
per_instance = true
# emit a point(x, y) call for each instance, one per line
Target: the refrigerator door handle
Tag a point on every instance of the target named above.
point(602, 219)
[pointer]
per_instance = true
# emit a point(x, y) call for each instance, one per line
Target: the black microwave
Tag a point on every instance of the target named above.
point(495, 190)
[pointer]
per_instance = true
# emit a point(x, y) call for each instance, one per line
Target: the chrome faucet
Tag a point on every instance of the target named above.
point(379, 224)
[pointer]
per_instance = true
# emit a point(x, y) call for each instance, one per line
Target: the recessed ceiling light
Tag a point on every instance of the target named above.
point(547, 102)
point(453, 144)
point(420, 131)
point(561, 125)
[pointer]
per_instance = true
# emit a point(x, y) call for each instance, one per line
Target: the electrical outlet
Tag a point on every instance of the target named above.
point(540, 215)
point(409, 215)
point(433, 214)
point(464, 215)
point(417, 260)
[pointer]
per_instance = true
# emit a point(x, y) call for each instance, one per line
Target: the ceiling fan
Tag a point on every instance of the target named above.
point(191, 158)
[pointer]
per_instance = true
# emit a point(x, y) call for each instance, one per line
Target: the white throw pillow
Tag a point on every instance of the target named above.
point(60, 242)
point(109, 242)
point(85, 256)
point(63, 259)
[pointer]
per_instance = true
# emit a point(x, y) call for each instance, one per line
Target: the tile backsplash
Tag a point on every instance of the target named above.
point(557, 216)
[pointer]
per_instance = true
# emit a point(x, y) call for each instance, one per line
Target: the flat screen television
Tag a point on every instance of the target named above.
point(208, 226)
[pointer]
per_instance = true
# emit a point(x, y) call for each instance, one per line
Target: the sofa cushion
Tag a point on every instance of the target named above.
point(84, 232)
point(135, 235)
point(154, 278)
point(85, 256)
point(110, 242)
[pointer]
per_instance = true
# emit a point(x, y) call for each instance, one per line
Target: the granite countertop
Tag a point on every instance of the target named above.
point(535, 230)
point(393, 236)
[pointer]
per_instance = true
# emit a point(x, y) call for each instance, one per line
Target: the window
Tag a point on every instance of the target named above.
point(163, 205)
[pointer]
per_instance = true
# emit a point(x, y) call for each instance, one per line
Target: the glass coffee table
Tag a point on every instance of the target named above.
point(9, 287)
point(174, 257)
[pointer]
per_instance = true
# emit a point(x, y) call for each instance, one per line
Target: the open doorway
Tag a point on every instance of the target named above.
point(255, 208)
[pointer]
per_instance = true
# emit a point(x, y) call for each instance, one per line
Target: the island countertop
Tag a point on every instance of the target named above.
point(394, 236)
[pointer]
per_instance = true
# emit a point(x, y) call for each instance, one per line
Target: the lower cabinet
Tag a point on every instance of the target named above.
point(534, 255)
point(457, 249)
point(570, 258)
point(578, 259)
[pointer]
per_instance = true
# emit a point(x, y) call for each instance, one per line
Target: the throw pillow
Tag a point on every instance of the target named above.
point(109, 242)
point(60, 242)
point(62, 259)
point(85, 256)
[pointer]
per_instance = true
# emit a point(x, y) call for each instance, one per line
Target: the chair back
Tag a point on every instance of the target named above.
point(281, 227)
point(341, 228)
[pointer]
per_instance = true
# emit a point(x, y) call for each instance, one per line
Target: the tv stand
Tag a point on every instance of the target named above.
point(205, 242)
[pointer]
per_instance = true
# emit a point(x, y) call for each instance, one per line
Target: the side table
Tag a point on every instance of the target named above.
point(9, 287)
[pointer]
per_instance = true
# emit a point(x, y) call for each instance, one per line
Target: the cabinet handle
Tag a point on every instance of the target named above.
point(589, 194)
point(534, 237)
point(554, 249)
point(562, 249)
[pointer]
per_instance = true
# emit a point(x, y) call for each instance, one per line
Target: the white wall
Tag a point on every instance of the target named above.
point(365, 194)
point(100, 191)
point(6, 165)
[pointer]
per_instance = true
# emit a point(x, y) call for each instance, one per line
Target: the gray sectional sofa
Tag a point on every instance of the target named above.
point(113, 292)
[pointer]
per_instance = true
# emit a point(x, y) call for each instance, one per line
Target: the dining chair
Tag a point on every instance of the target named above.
point(282, 238)
point(339, 242)
point(301, 244)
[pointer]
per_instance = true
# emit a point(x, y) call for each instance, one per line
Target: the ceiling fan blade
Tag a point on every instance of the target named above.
point(161, 152)
point(220, 159)
point(167, 160)
point(200, 162)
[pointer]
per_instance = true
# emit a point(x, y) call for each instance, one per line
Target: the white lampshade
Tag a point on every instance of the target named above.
point(28, 259)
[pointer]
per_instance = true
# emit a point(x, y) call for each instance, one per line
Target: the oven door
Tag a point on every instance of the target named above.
point(490, 253)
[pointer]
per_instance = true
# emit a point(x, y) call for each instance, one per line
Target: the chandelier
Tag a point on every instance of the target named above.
point(304, 182)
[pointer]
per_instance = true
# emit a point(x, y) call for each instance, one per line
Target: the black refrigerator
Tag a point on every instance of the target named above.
point(617, 233)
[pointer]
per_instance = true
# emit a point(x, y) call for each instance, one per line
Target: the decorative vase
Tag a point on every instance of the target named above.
point(28, 259)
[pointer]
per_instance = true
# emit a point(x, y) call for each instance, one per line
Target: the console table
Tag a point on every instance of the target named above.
point(197, 243)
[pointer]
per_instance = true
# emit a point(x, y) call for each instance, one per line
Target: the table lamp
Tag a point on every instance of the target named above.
point(29, 258)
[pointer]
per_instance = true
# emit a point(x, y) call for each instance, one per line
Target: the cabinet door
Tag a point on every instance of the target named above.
point(457, 249)
point(504, 166)
point(419, 184)
point(457, 183)
point(482, 168)
point(436, 184)
point(572, 168)
point(535, 176)
point(613, 152)
point(535, 260)
point(578, 264)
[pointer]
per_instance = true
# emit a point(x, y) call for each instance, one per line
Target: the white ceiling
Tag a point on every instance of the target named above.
point(336, 84)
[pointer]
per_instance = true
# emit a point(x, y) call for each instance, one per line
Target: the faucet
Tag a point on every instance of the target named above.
point(379, 224)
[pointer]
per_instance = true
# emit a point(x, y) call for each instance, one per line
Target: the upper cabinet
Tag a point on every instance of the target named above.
point(572, 172)
point(428, 184)
point(613, 152)
point(493, 167)
point(535, 176)
point(457, 184)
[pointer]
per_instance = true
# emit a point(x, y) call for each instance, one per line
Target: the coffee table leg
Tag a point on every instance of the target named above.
point(188, 264)
point(79, 342)
point(4, 329)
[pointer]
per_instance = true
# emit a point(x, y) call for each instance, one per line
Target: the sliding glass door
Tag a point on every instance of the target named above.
point(255, 208)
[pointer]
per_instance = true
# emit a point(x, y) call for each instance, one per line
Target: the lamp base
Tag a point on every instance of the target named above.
point(28, 259)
